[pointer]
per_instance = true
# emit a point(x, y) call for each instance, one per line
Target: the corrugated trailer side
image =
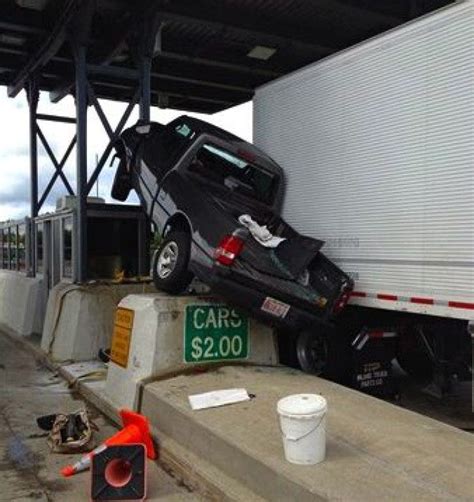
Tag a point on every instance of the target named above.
point(378, 146)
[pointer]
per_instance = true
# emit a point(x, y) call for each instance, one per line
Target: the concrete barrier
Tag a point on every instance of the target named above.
point(22, 301)
point(375, 450)
point(79, 318)
point(152, 334)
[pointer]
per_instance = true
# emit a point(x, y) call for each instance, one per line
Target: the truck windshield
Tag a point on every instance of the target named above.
point(235, 173)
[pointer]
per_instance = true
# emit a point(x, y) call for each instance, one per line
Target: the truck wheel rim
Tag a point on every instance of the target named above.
point(167, 260)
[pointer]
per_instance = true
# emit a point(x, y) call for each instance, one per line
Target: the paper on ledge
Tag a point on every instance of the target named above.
point(217, 398)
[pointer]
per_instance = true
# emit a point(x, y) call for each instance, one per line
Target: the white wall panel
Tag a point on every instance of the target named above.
point(378, 146)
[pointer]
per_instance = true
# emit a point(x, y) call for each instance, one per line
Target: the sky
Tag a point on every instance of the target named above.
point(14, 146)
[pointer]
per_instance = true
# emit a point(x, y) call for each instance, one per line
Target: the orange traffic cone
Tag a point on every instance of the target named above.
point(136, 430)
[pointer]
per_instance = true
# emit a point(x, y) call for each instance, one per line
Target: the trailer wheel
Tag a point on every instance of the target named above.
point(170, 263)
point(312, 351)
point(411, 356)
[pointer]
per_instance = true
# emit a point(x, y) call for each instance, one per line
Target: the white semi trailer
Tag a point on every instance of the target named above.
point(378, 146)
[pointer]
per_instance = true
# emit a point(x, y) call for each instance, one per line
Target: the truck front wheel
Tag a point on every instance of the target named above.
point(170, 263)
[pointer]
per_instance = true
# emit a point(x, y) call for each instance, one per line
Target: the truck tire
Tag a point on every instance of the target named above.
point(325, 352)
point(313, 352)
point(170, 263)
point(411, 357)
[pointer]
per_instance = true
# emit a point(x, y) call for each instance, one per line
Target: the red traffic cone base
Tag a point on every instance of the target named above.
point(119, 473)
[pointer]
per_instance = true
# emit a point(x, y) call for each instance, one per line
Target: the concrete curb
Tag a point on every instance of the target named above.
point(376, 451)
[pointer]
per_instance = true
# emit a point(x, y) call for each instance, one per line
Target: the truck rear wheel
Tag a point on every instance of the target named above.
point(325, 352)
point(312, 351)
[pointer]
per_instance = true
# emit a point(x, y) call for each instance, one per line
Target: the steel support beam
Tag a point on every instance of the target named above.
point(79, 31)
point(145, 88)
point(145, 42)
point(130, 73)
point(81, 164)
point(58, 169)
point(32, 93)
point(96, 72)
point(261, 72)
point(113, 134)
point(51, 155)
point(55, 118)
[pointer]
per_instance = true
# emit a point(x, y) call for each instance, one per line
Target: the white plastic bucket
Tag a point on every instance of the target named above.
point(303, 427)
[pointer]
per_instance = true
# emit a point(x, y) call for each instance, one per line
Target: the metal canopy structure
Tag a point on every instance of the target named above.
point(204, 60)
point(194, 55)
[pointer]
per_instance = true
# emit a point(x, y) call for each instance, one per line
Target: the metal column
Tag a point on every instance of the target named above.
point(32, 93)
point(145, 88)
point(80, 236)
point(145, 46)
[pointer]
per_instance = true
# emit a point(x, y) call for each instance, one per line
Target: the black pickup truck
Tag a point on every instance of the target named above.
point(216, 200)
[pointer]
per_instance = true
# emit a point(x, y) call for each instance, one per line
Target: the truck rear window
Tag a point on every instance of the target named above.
point(235, 173)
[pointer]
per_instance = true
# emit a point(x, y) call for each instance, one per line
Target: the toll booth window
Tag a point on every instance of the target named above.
point(39, 248)
point(67, 247)
point(21, 248)
point(13, 242)
point(113, 250)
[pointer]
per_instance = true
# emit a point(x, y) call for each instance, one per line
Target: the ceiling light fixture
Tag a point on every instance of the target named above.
point(261, 52)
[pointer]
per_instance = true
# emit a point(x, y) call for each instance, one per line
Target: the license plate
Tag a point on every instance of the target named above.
point(275, 307)
point(215, 333)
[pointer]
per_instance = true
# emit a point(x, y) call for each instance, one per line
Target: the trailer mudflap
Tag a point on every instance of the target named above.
point(372, 355)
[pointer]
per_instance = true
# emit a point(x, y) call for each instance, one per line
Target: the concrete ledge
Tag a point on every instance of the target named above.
point(375, 450)
point(156, 342)
point(79, 318)
point(22, 301)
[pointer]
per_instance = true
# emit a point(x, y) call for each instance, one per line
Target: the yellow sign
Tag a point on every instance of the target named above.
point(122, 336)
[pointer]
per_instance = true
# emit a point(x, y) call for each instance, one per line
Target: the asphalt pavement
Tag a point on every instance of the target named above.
point(28, 470)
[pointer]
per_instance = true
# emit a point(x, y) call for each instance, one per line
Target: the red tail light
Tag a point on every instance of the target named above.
point(228, 249)
point(342, 301)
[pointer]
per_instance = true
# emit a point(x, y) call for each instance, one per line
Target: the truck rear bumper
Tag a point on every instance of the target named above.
point(251, 299)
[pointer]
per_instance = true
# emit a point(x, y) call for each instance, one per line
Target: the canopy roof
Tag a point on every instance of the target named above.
point(209, 55)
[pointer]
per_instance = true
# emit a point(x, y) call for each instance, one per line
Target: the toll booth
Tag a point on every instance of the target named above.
point(118, 246)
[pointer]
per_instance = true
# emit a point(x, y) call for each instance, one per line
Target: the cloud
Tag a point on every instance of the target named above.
point(14, 147)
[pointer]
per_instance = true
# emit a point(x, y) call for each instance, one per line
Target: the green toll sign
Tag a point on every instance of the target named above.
point(215, 333)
